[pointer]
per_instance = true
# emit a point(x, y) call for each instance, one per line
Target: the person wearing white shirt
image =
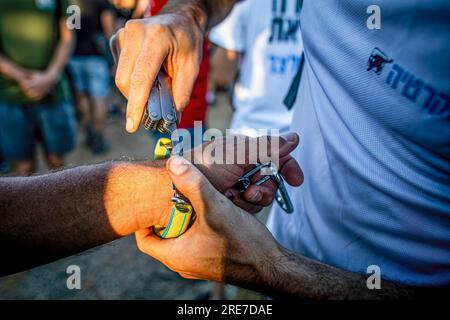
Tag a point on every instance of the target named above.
point(262, 39)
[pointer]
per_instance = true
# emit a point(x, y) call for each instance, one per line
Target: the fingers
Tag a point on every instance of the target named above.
point(139, 63)
point(288, 143)
point(288, 166)
point(261, 195)
point(183, 83)
point(130, 48)
point(144, 47)
point(264, 148)
point(152, 245)
point(237, 199)
point(148, 65)
point(291, 172)
point(193, 185)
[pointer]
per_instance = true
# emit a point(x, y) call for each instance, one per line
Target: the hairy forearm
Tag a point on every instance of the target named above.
point(207, 13)
point(48, 217)
point(287, 275)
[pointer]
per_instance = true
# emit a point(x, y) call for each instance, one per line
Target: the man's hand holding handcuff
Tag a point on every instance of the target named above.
point(224, 176)
point(172, 42)
point(224, 243)
point(168, 46)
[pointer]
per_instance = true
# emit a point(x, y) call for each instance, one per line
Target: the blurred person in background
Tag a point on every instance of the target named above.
point(91, 71)
point(375, 150)
point(196, 110)
point(254, 47)
point(129, 9)
point(35, 46)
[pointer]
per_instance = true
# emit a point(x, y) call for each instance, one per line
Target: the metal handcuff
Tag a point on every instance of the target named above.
point(160, 115)
point(270, 172)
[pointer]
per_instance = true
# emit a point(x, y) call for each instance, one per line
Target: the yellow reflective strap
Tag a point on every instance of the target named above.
point(180, 217)
point(178, 224)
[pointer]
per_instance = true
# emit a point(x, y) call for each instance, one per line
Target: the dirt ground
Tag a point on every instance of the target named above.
point(116, 270)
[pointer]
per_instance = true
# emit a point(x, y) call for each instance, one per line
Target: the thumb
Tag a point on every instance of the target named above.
point(192, 184)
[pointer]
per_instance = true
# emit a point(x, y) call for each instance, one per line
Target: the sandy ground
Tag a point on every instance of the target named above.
point(117, 270)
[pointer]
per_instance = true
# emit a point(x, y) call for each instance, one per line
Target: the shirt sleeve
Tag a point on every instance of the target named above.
point(230, 34)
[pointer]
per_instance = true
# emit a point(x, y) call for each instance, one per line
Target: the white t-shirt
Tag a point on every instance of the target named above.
point(373, 113)
point(267, 33)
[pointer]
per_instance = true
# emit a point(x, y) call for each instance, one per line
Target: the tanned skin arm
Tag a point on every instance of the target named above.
point(290, 275)
point(45, 218)
point(171, 41)
point(48, 217)
point(238, 249)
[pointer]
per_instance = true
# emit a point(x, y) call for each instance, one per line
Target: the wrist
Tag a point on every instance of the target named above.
point(137, 196)
point(256, 269)
point(52, 75)
point(267, 264)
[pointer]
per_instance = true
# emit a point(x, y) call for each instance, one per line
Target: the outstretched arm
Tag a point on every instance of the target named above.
point(52, 216)
point(48, 217)
point(236, 248)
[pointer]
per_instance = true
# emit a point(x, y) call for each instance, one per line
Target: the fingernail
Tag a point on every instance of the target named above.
point(290, 137)
point(229, 195)
point(256, 197)
point(130, 124)
point(178, 165)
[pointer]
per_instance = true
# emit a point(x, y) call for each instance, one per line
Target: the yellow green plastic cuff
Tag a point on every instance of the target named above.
point(180, 217)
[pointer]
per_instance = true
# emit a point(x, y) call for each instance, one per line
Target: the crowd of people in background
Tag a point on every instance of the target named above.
point(52, 77)
point(376, 164)
point(54, 80)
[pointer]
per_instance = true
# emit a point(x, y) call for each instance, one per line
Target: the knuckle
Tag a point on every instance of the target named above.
point(133, 26)
point(157, 29)
point(120, 81)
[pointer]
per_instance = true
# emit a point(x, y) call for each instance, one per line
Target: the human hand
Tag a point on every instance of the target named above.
point(224, 176)
point(224, 243)
point(37, 84)
point(169, 41)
